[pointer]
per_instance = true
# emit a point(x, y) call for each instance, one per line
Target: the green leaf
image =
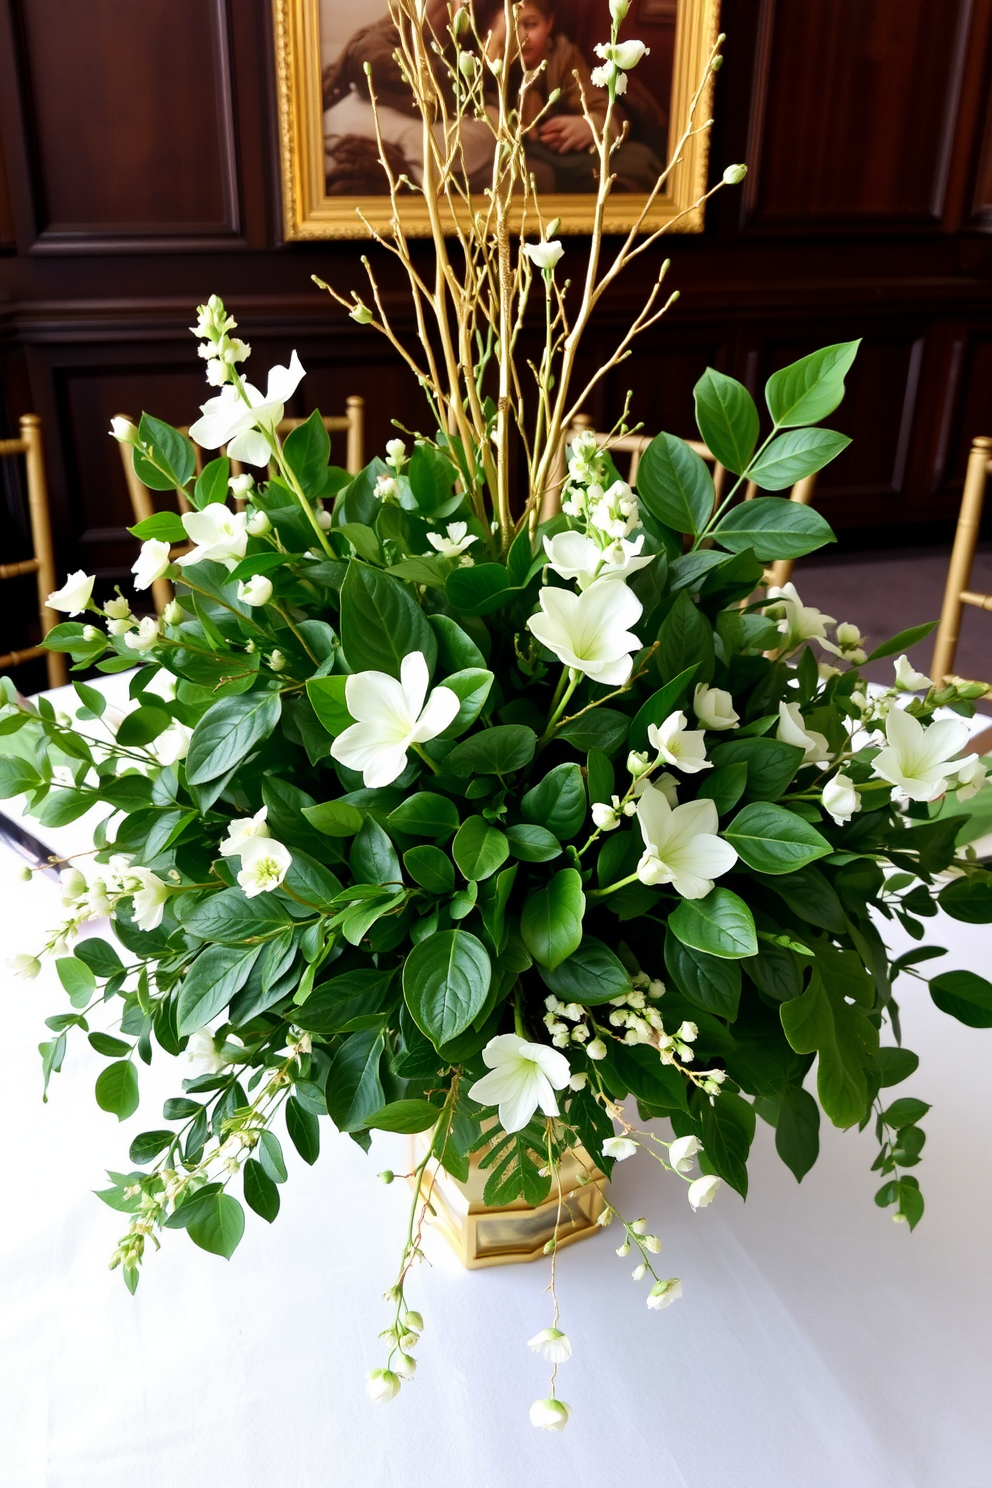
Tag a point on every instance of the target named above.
point(905, 1112)
point(165, 526)
point(896, 1065)
point(232, 919)
point(327, 698)
point(219, 1227)
point(793, 456)
point(261, 1193)
point(334, 818)
point(307, 451)
point(445, 983)
point(724, 786)
point(472, 687)
point(636, 1069)
point(708, 982)
point(727, 419)
point(821, 1021)
point(179, 1107)
point(425, 814)
point(228, 732)
point(591, 975)
point(117, 1089)
point(100, 957)
point(16, 777)
point(270, 1156)
point(603, 729)
point(404, 1116)
point(728, 1131)
point(171, 457)
point(456, 650)
point(773, 528)
point(105, 1043)
point(146, 1147)
point(558, 802)
point(532, 844)
point(551, 919)
point(771, 764)
point(355, 999)
point(797, 1131)
point(774, 840)
point(721, 925)
point(686, 638)
point(211, 982)
point(381, 622)
point(964, 996)
point(807, 390)
point(142, 726)
point(304, 1132)
point(675, 485)
point(903, 641)
point(211, 484)
point(430, 868)
point(372, 858)
point(431, 475)
point(495, 751)
point(77, 978)
point(658, 707)
point(481, 589)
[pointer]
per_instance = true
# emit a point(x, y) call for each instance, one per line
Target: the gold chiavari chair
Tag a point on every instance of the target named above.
point(634, 445)
point(351, 423)
point(43, 562)
point(957, 593)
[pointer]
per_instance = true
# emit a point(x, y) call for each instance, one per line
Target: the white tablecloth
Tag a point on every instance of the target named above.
point(817, 1345)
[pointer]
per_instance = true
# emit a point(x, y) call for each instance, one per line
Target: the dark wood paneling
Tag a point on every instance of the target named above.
point(855, 108)
point(129, 126)
point(8, 241)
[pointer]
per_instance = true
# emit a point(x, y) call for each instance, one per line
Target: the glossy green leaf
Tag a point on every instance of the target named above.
point(304, 1131)
point(558, 802)
point(495, 751)
point(327, 698)
point(773, 528)
point(793, 456)
point(117, 1089)
point(381, 622)
point(220, 1226)
point(211, 982)
point(261, 1193)
point(965, 996)
point(532, 844)
point(445, 983)
point(404, 1116)
point(686, 641)
point(591, 975)
point(472, 687)
point(808, 390)
point(720, 925)
point(771, 839)
point(430, 868)
point(334, 818)
point(712, 983)
point(228, 732)
point(675, 485)
point(425, 814)
point(797, 1131)
point(551, 919)
point(727, 419)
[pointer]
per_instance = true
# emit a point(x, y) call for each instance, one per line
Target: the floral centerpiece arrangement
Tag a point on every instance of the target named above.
point(513, 820)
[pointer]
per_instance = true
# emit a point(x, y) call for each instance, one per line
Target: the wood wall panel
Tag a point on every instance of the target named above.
point(128, 118)
point(858, 103)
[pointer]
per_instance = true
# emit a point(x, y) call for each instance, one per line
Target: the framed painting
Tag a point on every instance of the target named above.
point(331, 174)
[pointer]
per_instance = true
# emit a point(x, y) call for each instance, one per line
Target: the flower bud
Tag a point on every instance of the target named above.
point(618, 10)
point(413, 1320)
point(468, 64)
point(386, 1176)
point(24, 966)
point(639, 1272)
point(173, 614)
point(26, 875)
point(734, 175)
point(361, 313)
point(550, 1415)
point(255, 591)
point(277, 661)
point(240, 486)
point(664, 1293)
point(382, 1385)
point(124, 431)
point(596, 1049)
point(406, 1366)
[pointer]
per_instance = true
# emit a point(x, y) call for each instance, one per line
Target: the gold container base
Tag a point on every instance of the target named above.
point(483, 1235)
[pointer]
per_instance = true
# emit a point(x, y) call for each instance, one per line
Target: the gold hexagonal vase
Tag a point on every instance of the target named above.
point(481, 1234)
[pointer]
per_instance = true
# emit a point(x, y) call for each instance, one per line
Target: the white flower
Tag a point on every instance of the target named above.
point(24, 966)
point(523, 1075)
point(552, 1345)
point(457, 540)
point(797, 622)
point(618, 10)
point(385, 488)
point(681, 846)
point(580, 559)
point(242, 830)
point(202, 1051)
point(664, 1293)
point(624, 54)
point(907, 679)
point(72, 884)
point(714, 708)
point(152, 563)
point(578, 1081)
point(173, 745)
point(681, 1153)
point(733, 175)
point(638, 763)
point(971, 779)
point(264, 864)
point(147, 636)
point(124, 431)
point(614, 513)
point(391, 716)
point(173, 614)
point(703, 1190)
point(619, 1148)
point(117, 609)
point(792, 730)
point(588, 631)
point(684, 748)
point(918, 760)
point(396, 454)
point(601, 77)
point(149, 898)
point(227, 419)
point(277, 661)
point(406, 1367)
point(382, 1385)
point(596, 1049)
point(544, 255)
point(74, 595)
point(550, 1415)
point(606, 817)
point(840, 798)
point(240, 488)
point(220, 535)
point(255, 591)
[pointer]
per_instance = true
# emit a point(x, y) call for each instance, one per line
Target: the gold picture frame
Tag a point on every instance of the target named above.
point(309, 213)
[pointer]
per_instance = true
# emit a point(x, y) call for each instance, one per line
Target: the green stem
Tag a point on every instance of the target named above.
point(611, 888)
point(711, 524)
point(567, 684)
point(426, 758)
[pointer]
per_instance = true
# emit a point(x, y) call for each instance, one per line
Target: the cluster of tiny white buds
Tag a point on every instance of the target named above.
point(561, 1034)
point(220, 350)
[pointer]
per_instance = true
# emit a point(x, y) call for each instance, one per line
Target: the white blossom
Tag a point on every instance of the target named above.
point(150, 894)
point(624, 54)
point(240, 487)
point(681, 846)
point(614, 512)
point(523, 1076)
point(714, 707)
point(382, 1385)
point(588, 631)
point(255, 591)
point(24, 966)
point(840, 798)
point(552, 1345)
point(606, 818)
point(581, 560)
point(264, 865)
point(596, 1049)
point(664, 1293)
point(391, 716)
point(386, 488)
point(172, 745)
point(152, 563)
point(618, 10)
point(971, 779)
point(227, 419)
point(682, 1152)
point(241, 830)
point(455, 543)
point(917, 760)
point(684, 748)
point(396, 454)
point(550, 1415)
point(792, 730)
point(405, 1366)
point(148, 634)
point(907, 678)
point(117, 609)
point(277, 661)
point(796, 622)
point(202, 1052)
point(702, 1191)
point(74, 595)
point(619, 1148)
point(220, 535)
point(173, 614)
point(123, 431)
point(544, 255)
